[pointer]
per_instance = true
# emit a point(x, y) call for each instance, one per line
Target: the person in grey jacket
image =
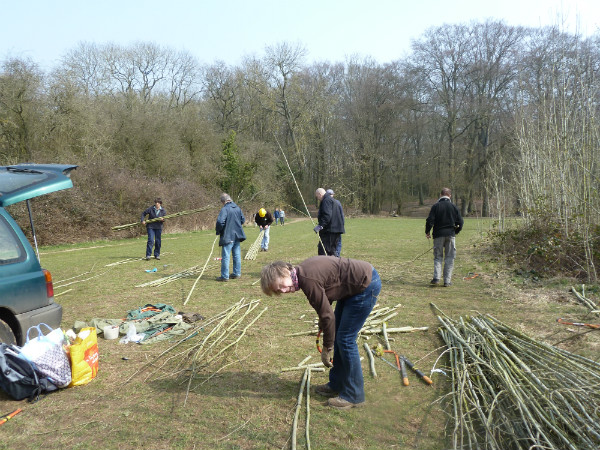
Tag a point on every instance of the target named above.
point(154, 229)
point(229, 228)
point(446, 221)
point(331, 223)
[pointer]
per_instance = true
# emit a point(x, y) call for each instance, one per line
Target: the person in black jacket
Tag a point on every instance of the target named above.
point(331, 223)
point(264, 219)
point(154, 229)
point(446, 221)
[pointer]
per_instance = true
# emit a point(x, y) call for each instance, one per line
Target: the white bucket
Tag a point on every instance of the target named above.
point(111, 332)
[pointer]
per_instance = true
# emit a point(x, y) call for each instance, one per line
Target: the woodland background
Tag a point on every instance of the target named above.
point(505, 116)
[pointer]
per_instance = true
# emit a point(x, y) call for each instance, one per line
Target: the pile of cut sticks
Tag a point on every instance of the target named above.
point(207, 349)
point(510, 391)
point(253, 250)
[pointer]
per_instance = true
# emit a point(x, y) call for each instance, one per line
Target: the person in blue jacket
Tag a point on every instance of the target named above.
point(154, 229)
point(229, 228)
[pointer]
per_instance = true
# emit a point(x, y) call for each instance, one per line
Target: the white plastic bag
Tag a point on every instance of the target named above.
point(48, 355)
point(131, 335)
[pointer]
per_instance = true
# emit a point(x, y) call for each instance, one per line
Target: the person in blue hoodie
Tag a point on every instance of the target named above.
point(229, 228)
point(154, 229)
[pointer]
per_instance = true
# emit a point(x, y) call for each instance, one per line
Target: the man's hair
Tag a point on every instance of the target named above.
point(273, 272)
point(158, 200)
point(446, 192)
point(320, 191)
point(225, 198)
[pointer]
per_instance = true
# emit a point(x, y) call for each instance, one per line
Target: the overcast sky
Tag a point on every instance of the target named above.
point(228, 30)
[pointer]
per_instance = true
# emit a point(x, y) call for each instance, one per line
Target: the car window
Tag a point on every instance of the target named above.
point(14, 181)
point(11, 249)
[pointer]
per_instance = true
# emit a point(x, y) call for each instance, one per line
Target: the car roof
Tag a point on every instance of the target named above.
point(24, 181)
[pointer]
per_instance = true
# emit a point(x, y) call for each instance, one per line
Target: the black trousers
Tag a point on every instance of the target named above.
point(330, 241)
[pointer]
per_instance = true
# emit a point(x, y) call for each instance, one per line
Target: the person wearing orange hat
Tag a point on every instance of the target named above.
point(264, 219)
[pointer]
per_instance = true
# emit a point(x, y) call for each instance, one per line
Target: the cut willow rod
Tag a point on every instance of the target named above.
point(307, 427)
point(298, 405)
point(298, 188)
point(371, 359)
point(202, 272)
point(168, 216)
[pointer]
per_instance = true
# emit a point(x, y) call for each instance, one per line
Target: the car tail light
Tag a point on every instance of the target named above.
point(49, 286)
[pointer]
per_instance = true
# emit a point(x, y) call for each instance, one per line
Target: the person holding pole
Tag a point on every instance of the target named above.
point(154, 229)
point(354, 285)
point(264, 219)
point(446, 221)
point(229, 228)
point(331, 223)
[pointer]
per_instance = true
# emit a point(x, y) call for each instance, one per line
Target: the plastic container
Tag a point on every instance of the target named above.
point(111, 332)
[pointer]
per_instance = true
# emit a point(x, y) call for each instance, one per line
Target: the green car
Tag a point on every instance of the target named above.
point(26, 290)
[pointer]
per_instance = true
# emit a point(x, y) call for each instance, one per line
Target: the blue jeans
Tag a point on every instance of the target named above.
point(226, 251)
point(265, 240)
point(338, 248)
point(346, 377)
point(444, 249)
point(153, 241)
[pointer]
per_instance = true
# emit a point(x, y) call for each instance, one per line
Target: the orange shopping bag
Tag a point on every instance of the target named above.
point(84, 357)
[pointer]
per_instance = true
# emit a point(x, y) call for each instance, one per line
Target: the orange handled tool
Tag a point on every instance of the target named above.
point(7, 417)
point(403, 370)
point(420, 374)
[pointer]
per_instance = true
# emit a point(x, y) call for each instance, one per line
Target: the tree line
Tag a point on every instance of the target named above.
point(503, 115)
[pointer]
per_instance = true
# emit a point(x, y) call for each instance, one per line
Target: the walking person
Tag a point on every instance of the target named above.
point(281, 216)
point(446, 221)
point(331, 223)
point(154, 229)
point(264, 219)
point(276, 215)
point(354, 285)
point(229, 228)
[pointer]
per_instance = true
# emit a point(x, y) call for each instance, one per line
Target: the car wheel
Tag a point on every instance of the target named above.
point(6, 334)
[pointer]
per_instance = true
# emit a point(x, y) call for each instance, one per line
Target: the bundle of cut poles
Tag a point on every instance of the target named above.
point(253, 250)
point(510, 391)
point(207, 349)
point(168, 216)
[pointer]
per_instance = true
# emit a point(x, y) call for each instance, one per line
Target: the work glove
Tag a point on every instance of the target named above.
point(326, 357)
point(317, 228)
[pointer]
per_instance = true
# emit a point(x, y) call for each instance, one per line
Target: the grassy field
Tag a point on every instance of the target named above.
point(250, 403)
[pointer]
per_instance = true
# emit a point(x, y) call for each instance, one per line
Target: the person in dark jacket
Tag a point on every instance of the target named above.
point(229, 228)
point(338, 205)
point(154, 229)
point(331, 223)
point(446, 221)
point(264, 219)
point(354, 285)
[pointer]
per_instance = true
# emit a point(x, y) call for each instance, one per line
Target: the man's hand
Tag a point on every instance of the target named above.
point(143, 222)
point(326, 356)
point(317, 228)
point(428, 235)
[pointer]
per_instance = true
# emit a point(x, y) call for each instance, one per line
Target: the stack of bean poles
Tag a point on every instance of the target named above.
point(510, 391)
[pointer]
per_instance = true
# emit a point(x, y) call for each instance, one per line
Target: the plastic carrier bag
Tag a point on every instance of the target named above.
point(48, 355)
point(84, 357)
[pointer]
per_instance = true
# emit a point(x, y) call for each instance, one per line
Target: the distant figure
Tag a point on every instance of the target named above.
point(338, 248)
point(229, 228)
point(264, 219)
point(276, 215)
point(446, 221)
point(281, 216)
point(154, 229)
point(331, 223)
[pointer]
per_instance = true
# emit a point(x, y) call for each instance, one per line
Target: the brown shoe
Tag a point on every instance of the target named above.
point(340, 403)
point(325, 390)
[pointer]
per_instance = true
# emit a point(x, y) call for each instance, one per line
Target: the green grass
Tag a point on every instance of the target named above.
point(250, 404)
